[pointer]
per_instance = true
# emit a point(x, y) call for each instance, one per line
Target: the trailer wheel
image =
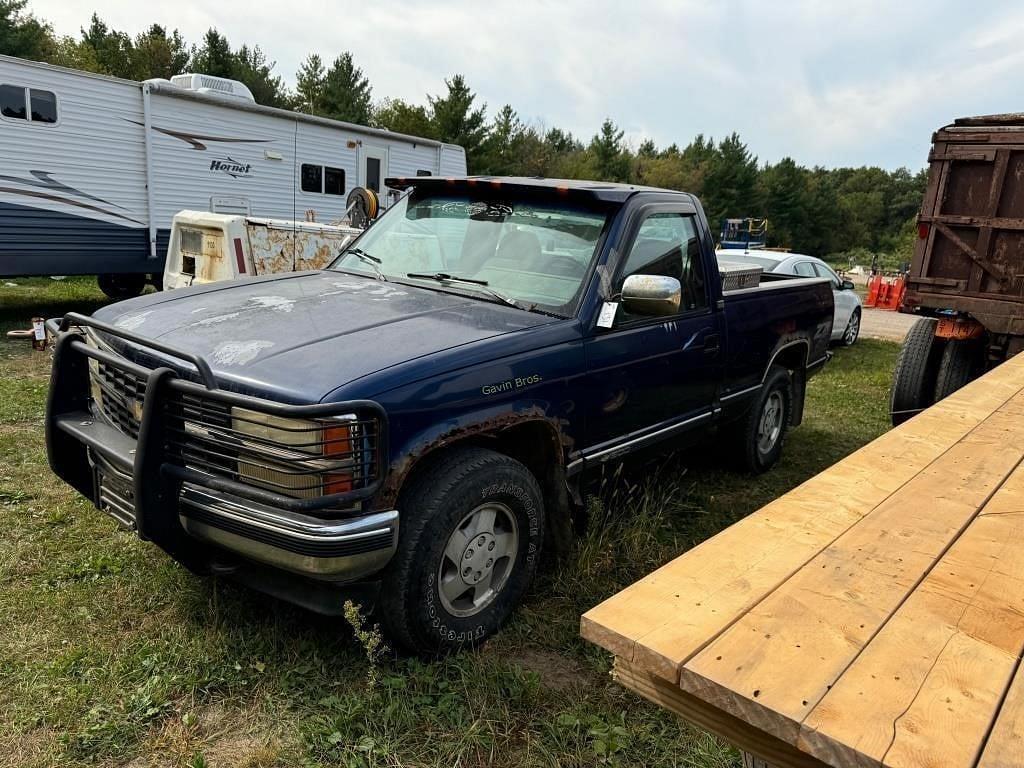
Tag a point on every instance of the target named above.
point(118, 287)
point(913, 380)
point(958, 365)
point(468, 547)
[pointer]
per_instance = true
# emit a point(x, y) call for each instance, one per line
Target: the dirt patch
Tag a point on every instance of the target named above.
point(557, 672)
point(224, 738)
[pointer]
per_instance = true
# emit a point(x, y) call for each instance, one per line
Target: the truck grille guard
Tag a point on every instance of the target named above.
point(161, 430)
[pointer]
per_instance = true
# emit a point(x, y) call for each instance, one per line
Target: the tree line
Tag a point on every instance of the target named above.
point(823, 211)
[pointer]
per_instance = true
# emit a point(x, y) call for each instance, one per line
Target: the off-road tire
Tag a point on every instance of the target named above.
point(751, 457)
point(852, 331)
point(118, 287)
point(913, 378)
point(431, 507)
point(958, 365)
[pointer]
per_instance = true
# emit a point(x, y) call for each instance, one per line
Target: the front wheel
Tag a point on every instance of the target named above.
point(469, 542)
point(762, 432)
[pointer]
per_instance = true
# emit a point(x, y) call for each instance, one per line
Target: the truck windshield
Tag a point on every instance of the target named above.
point(531, 254)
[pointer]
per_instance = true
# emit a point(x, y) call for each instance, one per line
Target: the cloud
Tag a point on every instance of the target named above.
point(826, 83)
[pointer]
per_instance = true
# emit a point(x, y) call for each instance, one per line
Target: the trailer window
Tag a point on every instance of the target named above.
point(12, 102)
point(424, 173)
point(44, 106)
point(334, 181)
point(312, 178)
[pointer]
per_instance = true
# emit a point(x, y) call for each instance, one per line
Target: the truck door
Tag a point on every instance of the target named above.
point(647, 374)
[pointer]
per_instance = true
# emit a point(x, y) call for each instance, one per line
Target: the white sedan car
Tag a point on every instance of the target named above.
point(846, 321)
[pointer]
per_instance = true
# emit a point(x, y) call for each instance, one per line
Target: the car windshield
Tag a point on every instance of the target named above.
point(496, 247)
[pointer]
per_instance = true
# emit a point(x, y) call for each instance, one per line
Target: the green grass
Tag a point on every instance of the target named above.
point(111, 654)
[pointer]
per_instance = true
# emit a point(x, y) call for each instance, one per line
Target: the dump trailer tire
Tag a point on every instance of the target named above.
point(957, 367)
point(913, 379)
point(429, 602)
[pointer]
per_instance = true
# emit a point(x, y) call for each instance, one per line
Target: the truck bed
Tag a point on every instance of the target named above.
point(783, 311)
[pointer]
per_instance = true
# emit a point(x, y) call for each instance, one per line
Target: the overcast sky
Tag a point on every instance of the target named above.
point(830, 83)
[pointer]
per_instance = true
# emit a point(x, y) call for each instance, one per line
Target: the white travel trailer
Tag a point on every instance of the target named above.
point(93, 168)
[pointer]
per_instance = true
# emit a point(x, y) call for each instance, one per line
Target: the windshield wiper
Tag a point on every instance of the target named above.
point(373, 261)
point(482, 285)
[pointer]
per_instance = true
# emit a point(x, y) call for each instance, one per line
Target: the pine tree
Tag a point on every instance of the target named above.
point(158, 54)
point(730, 183)
point(214, 56)
point(457, 122)
point(112, 50)
point(611, 161)
point(784, 191)
point(347, 92)
point(309, 85)
point(501, 146)
point(252, 68)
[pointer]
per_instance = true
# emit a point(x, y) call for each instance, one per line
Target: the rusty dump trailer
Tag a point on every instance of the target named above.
point(966, 280)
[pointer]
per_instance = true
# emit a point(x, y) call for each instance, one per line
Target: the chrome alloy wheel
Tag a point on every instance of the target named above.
point(769, 427)
point(852, 329)
point(478, 559)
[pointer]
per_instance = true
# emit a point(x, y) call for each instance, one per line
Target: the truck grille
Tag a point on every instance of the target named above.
point(118, 395)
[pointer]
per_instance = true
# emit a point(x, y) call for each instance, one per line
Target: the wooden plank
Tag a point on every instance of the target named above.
point(926, 689)
point(693, 710)
point(663, 619)
point(777, 661)
point(1005, 745)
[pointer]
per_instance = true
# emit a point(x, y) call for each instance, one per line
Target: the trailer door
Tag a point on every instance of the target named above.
point(373, 169)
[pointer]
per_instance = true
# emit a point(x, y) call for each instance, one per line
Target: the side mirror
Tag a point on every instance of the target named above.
point(847, 285)
point(651, 295)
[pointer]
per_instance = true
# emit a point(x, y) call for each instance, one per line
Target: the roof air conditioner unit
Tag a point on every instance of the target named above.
point(214, 86)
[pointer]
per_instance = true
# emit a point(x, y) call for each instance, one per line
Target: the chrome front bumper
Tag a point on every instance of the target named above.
point(330, 550)
point(336, 550)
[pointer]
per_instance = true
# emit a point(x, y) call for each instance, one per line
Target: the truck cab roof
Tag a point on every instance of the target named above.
point(606, 191)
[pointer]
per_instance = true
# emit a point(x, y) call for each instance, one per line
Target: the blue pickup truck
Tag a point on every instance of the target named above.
point(418, 418)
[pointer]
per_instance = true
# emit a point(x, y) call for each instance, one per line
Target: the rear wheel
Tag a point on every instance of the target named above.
point(762, 432)
point(913, 380)
point(123, 286)
point(959, 364)
point(469, 543)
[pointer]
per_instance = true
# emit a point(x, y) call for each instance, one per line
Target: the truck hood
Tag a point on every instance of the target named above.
point(303, 335)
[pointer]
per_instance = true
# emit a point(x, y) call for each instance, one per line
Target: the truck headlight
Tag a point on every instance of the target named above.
point(299, 457)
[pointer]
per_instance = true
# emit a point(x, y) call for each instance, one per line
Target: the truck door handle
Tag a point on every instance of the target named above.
point(711, 344)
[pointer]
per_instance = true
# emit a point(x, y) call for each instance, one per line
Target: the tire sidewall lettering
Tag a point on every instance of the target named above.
point(452, 629)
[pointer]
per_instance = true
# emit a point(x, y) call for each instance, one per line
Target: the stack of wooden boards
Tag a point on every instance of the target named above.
point(872, 616)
